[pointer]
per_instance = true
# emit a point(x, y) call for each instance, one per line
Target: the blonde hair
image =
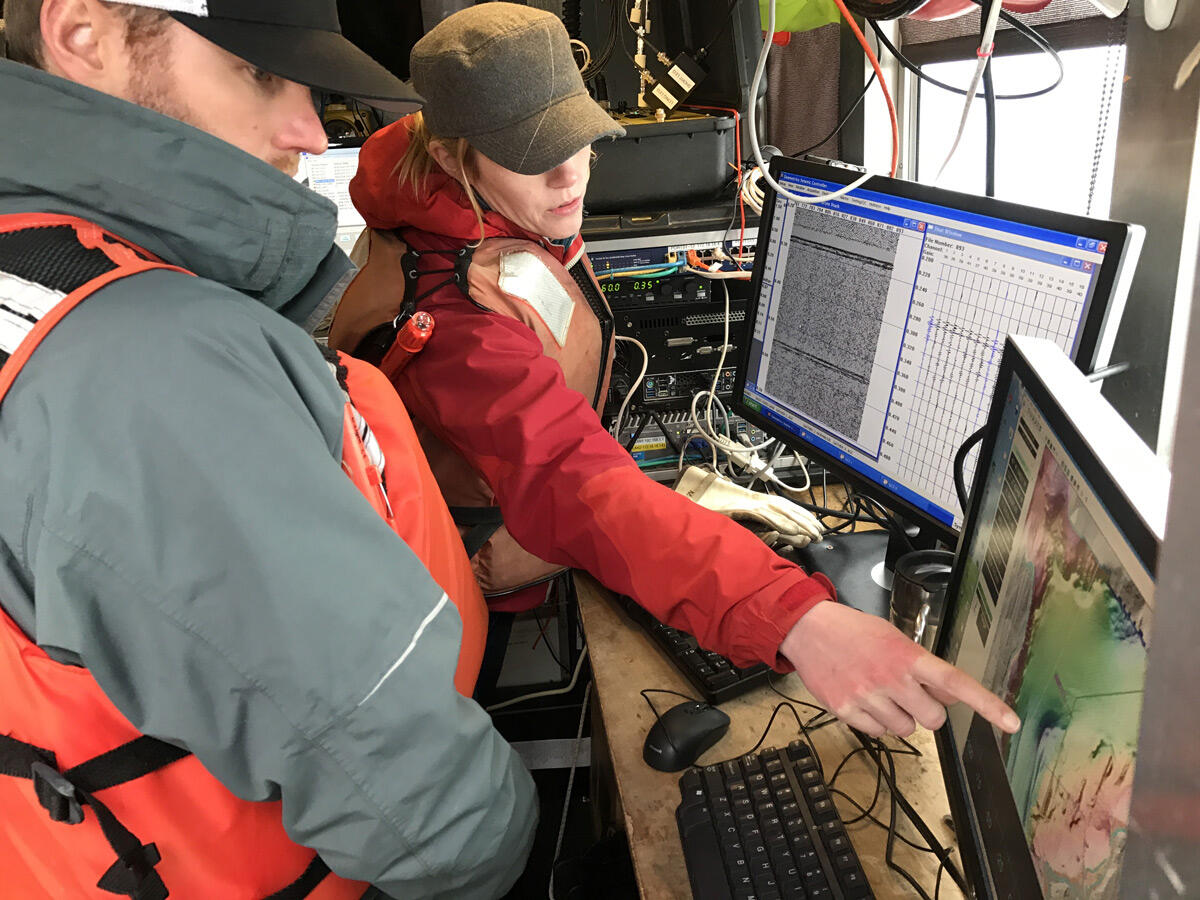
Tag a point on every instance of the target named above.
point(417, 163)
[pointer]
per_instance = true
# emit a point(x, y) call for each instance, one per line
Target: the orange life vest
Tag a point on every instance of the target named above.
point(86, 787)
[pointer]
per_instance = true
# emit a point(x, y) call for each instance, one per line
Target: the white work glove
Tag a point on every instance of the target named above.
point(786, 522)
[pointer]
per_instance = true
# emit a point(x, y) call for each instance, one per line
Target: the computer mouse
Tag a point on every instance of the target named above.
point(681, 734)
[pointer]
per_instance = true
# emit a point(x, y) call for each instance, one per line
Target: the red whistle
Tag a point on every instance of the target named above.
point(410, 340)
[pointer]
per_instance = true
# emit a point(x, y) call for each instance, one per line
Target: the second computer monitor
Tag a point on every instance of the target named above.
point(1051, 606)
point(879, 319)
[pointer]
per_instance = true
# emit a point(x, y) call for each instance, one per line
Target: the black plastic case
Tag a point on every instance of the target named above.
point(660, 165)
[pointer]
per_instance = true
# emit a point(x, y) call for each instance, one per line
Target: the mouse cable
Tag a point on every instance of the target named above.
point(771, 721)
point(821, 711)
point(657, 714)
point(562, 822)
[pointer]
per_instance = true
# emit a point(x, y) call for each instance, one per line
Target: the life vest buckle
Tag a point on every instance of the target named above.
point(56, 794)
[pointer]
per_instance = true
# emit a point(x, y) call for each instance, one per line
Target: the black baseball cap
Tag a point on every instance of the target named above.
point(300, 40)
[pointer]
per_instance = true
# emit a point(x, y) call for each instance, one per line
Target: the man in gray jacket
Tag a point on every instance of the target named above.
point(173, 517)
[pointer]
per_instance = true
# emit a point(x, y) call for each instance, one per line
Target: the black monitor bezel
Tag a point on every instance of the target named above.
point(1116, 234)
point(1108, 492)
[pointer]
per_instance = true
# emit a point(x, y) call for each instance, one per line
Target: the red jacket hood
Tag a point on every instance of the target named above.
point(442, 209)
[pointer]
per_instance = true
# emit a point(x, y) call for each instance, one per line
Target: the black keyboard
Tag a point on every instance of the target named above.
point(714, 676)
point(764, 827)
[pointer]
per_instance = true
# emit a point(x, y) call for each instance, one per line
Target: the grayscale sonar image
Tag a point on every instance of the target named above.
point(830, 313)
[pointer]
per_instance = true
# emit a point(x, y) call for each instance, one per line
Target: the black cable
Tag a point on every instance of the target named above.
point(725, 20)
point(821, 711)
point(937, 883)
point(960, 462)
point(848, 525)
point(919, 823)
point(550, 650)
point(637, 433)
point(989, 106)
point(874, 820)
point(892, 825)
point(771, 721)
point(846, 118)
point(1024, 30)
point(874, 797)
point(893, 9)
point(600, 59)
point(893, 527)
point(827, 512)
point(675, 448)
point(657, 715)
point(646, 691)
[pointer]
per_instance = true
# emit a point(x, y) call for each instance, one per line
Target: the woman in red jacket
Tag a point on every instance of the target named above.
point(485, 192)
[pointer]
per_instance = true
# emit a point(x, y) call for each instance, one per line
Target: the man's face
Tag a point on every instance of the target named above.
point(187, 77)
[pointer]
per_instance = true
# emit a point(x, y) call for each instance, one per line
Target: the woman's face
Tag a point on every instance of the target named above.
point(550, 204)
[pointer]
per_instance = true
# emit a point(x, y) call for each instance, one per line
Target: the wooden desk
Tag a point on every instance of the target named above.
point(625, 660)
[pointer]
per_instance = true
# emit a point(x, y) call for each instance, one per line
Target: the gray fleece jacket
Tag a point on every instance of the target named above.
point(173, 516)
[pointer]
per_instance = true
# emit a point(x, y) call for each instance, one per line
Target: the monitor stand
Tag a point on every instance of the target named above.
point(860, 565)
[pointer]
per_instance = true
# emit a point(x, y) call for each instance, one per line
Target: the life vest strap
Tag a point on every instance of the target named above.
point(64, 794)
point(313, 875)
point(483, 522)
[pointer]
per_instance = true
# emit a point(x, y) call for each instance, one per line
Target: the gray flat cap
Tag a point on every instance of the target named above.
point(503, 76)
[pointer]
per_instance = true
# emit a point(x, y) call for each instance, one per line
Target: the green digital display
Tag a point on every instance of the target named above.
point(615, 287)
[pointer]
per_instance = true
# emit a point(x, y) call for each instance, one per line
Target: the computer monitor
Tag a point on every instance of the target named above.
point(879, 319)
point(1050, 605)
point(329, 174)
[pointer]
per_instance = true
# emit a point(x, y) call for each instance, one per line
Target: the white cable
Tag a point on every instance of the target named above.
point(752, 194)
point(562, 823)
point(637, 384)
point(587, 53)
point(712, 391)
point(778, 482)
point(683, 450)
point(985, 54)
point(758, 157)
point(740, 274)
point(551, 693)
point(717, 441)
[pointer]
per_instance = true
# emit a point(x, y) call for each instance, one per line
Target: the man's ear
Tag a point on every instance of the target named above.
point(85, 42)
point(446, 160)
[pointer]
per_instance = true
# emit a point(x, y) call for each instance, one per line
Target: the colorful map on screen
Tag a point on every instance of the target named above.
point(1077, 629)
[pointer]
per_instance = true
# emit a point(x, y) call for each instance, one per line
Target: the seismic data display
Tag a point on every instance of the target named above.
point(830, 314)
point(880, 323)
point(1058, 614)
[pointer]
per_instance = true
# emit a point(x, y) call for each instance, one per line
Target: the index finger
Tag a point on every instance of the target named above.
point(957, 684)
